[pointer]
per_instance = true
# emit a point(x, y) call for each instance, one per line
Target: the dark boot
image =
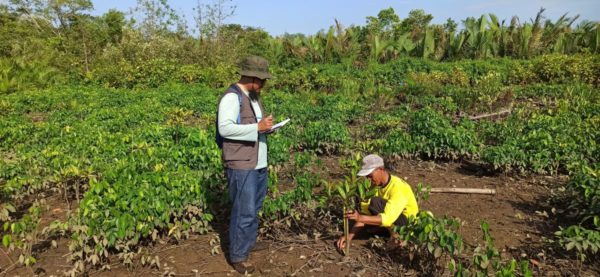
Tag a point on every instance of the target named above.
point(243, 267)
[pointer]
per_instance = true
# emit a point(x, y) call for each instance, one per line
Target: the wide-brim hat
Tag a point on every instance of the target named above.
point(255, 66)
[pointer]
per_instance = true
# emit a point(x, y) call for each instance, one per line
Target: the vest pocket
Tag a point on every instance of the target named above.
point(238, 151)
point(248, 119)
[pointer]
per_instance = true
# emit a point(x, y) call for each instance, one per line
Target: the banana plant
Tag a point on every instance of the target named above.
point(428, 44)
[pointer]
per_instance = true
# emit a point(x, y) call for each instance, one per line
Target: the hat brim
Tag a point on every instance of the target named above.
point(257, 74)
point(365, 172)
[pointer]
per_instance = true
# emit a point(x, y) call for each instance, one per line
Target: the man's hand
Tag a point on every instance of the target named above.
point(265, 124)
point(353, 215)
point(341, 242)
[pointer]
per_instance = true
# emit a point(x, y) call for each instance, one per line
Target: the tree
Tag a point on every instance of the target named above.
point(156, 17)
point(384, 24)
point(450, 26)
point(416, 23)
point(115, 21)
point(210, 17)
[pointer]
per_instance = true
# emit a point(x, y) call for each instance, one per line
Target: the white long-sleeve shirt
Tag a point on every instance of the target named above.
point(229, 109)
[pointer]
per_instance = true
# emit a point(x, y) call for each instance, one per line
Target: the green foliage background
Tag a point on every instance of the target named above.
point(111, 111)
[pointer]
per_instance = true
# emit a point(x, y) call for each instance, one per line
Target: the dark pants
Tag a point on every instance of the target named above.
point(247, 190)
point(377, 206)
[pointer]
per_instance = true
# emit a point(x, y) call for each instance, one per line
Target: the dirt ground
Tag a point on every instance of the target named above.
point(519, 217)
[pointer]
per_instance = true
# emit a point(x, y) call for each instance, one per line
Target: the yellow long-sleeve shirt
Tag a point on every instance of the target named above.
point(400, 200)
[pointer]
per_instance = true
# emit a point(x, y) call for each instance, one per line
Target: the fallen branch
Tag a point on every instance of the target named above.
point(463, 190)
point(5, 271)
point(499, 113)
point(169, 248)
point(12, 264)
point(309, 260)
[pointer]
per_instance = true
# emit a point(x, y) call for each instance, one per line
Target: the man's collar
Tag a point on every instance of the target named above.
point(388, 181)
point(243, 89)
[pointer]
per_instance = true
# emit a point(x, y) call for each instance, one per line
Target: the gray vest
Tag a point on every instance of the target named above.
point(238, 154)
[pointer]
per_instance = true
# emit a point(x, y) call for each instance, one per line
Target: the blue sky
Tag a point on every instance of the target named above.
point(309, 16)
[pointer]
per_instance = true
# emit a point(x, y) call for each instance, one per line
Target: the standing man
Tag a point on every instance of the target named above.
point(392, 205)
point(242, 125)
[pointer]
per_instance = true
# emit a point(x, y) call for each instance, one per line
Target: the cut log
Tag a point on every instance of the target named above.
point(463, 190)
point(499, 113)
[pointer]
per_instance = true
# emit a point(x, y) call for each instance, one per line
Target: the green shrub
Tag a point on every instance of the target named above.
point(291, 80)
point(381, 124)
point(455, 77)
point(429, 238)
point(189, 74)
point(522, 74)
point(399, 144)
point(158, 72)
point(585, 185)
point(145, 74)
point(562, 68)
point(279, 148)
point(544, 143)
point(326, 137)
point(487, 261)
point(19, 74)
point(581, 240)
point(154, 73)
point(436, 137)
point(279, 205)
point(444, 105)
point(505, 157)
point(219, 76)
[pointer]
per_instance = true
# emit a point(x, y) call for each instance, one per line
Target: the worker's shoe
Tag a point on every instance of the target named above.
point(259, 246)
point(243, 267)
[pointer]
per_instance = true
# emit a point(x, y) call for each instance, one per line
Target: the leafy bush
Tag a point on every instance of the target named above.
point(544, 91)
point(283, 204)
point(585, 188)
point(189, 74)
point(437, 138)
point(291, 80)
point(399, 144)
point(125, 74)
point(153, 73)
point(563, 68)
point(219, 76)
point(544, 143)
point(158, 72)
point(279, 148)
point(336, 108)
point(522, 74)
point(487, 260)
point(21, 74)
point(382, 123)
point(580, 240)
point(455, 77)
point(506, 157)
point(112, 150)
point(326, 137)
point(431, 236)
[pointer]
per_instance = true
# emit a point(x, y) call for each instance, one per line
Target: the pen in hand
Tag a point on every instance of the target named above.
point(265, 124)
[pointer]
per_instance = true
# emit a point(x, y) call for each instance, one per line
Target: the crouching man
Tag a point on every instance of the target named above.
point(394, 201)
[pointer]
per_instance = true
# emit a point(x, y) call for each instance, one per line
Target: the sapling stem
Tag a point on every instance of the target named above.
point(347, 251)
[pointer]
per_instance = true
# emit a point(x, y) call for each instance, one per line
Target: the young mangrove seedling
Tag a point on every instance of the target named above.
point(346, 193)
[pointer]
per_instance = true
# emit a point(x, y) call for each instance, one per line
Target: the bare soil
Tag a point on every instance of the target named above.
point(519, 216)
